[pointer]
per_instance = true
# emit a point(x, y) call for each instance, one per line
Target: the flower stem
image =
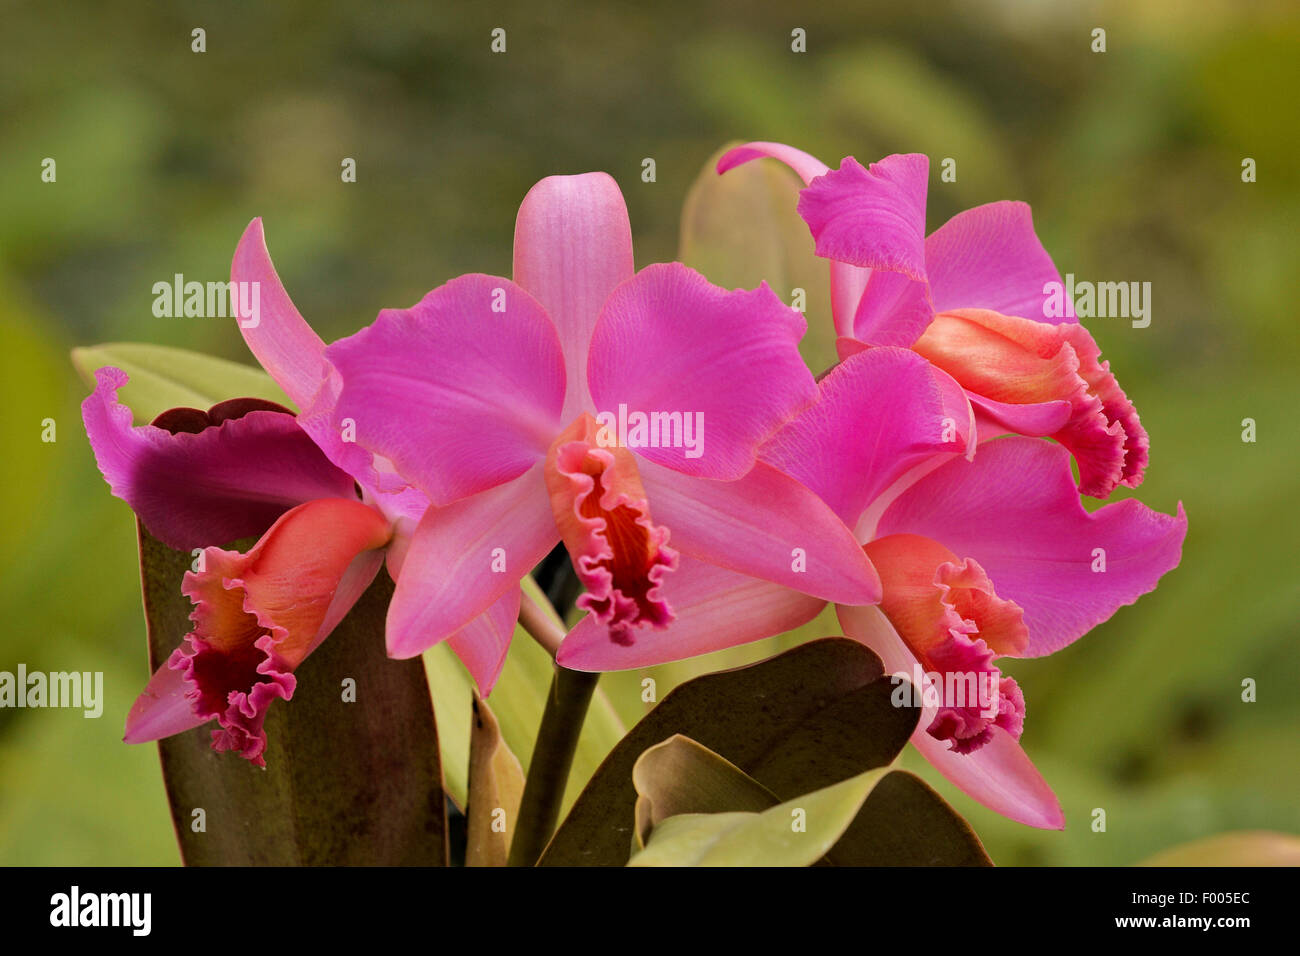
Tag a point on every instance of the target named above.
point(548, 770)
point(539, 618)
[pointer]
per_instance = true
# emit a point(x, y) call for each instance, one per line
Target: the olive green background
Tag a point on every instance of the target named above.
point(1131, 160)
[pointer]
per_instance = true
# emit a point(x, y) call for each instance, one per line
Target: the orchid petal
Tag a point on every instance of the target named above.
point(1034, 420)
point(218, 480)
point(276, 333)
point(766, 525)
point(573, 246)
point(164, 708)
point(1015, 510)
point(807, 167)
point(989, 257)
point(892, 310)
point(461, 392)
point(999, 774)
point(449, 574)
point(714, 609)
point(669, 342)
point(483, 643)
point(872, 217)
point(847, 281)
point(881, 412)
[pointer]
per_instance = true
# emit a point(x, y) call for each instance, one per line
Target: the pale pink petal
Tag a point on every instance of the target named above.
point(880, 413)
point(483, 643)
point(465, 557)
point(766, 525)
point(276, 333)
point(989, 257)
point(714, 608)
point(1016, 511)
point(725, 363)
point(461, 392)
point(207, 478)
point(999, 774)
point(573, 246)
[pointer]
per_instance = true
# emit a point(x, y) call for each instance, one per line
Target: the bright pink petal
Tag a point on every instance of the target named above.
point(218, 480)
point(483, 643)
point(808, 167)
point(872, 217)
point(892, 310)
point(1003, 418)
point(847, 281)
point(989, 257)
point(276, 333)
point(1015, 510)
point(573, 246)
point(726, 364)
point(713, 609)
point(460, 393)
point(999, 774)
point(162, 709)
point(766, 525)
point(465, 557)
point(880, 413)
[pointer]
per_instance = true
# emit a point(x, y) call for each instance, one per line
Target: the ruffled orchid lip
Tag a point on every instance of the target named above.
point(1022, 362)
point(259, 614)
point(952, 620)
point(600, 507)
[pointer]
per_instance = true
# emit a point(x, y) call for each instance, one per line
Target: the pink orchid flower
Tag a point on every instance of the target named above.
point(982, 555)
point(513, 406)
point(242, 468)
point(249, 467)
point(973, 297)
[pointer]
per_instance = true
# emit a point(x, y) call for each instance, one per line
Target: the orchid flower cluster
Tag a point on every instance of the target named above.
point(708, 489)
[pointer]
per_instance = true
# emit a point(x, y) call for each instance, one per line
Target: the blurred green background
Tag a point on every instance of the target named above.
point(1131, 160)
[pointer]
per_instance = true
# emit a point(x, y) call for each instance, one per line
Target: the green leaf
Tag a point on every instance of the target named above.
point(1251, 848)
point(496, 784)
point(743, 228)
point(163, 377)
point(345, 783)
point(452, 690)
point(902, 823)
point(905, 823)
point(798, 832)
point(681, 776)
point(813, 716)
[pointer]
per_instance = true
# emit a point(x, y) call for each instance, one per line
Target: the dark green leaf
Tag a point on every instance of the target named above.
point(810, 717)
